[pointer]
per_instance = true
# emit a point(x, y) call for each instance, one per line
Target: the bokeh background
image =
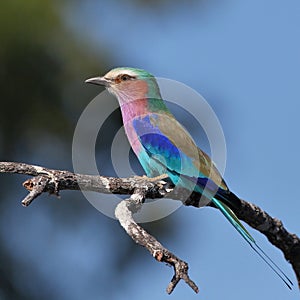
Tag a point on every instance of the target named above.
point(243, 57)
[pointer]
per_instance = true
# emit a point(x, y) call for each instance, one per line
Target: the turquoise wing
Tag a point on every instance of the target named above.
point(170, 146)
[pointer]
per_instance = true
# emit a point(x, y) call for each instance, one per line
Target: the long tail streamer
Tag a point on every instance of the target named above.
point(232, 218)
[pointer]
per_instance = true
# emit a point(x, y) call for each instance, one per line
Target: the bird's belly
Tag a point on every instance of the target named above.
point(151, 168)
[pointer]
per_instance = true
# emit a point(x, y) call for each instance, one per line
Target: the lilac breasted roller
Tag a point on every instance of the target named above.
point(163, 146)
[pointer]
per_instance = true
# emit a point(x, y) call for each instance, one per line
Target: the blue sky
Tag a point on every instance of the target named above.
point(244, 58)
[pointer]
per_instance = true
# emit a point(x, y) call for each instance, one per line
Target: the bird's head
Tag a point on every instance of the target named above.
point(128, 84)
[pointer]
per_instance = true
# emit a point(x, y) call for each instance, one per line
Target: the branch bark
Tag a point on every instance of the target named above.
point(54, 181)
point(124, 213)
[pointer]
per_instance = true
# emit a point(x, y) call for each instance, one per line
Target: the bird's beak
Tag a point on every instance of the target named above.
point(99, 81)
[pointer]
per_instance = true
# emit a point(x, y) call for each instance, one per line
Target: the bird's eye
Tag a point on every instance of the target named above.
point(125, 77)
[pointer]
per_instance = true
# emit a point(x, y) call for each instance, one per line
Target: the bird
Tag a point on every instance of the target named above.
point(163, 146)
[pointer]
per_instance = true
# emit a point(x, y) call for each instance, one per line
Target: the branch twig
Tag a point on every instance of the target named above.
point(124, 212)
point(53, 181)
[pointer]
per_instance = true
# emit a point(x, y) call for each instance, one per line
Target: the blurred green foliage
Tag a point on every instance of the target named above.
point(41, 65)
point(42, 70)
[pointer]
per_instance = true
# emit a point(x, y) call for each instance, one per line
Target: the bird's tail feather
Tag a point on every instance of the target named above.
point(233, 219)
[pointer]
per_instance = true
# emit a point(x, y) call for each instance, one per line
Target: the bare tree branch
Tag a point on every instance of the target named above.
point(124, 212)
point(53, 181)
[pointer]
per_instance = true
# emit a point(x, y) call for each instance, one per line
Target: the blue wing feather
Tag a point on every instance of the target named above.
point(161, 150)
